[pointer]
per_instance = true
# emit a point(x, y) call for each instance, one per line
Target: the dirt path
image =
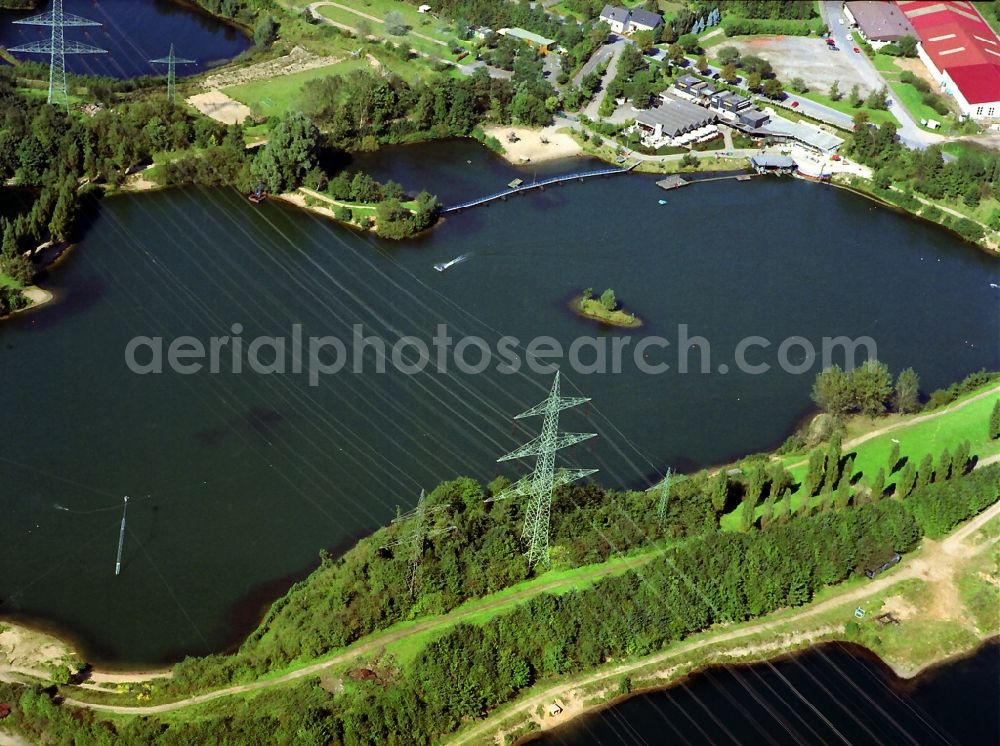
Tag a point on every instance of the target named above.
point(933, 554)
point(907, 423)
point(371, 644)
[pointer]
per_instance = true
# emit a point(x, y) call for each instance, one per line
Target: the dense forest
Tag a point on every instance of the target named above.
point(704, 578)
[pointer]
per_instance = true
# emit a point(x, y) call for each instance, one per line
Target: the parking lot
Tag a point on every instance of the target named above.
point(806, 58)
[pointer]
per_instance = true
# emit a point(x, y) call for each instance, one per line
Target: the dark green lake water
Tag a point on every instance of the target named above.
point(133, 32)
point(830, 694)
point(239, 480)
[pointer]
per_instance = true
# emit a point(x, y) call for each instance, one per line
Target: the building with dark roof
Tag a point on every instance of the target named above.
point(625, 21)
point(878, 22)
point(673, 117)
point(961, 51)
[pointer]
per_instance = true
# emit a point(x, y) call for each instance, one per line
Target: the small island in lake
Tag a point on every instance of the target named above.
point(605, 309)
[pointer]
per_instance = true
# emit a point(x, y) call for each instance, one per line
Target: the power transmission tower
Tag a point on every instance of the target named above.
point(661, 506)
point(418, 519)
point(57, 47)
point(171, 61)
point(539, 486)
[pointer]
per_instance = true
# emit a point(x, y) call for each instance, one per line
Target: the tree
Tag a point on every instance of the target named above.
point(925, 472)
point(906, 396)
point(832, 391)
point(702, 64)
point(720, 491)
point(860, 119)
point(265, 31)
point(728, 73)
point(878, 99)
point(608, 300)
point(960, 462)
point(907, 46)
point(689, 159)
point(907, 480)
point(643, 40)
point(798, 85)
point(728, 55)
point(835, 94)
point(753, 80)
point(814, 474)
point(292, 150)
point(878, 485)
point(395, 24)
point(675, 53)
point(893, 457)
point(994, 430)
point(773, 88)
point(943, 470)
point(854, 98)
point(871, 385)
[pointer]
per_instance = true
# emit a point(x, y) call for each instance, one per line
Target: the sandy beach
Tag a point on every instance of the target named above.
point(534, 145)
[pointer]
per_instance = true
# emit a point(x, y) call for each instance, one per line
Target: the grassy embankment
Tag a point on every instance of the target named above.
point(918, 436)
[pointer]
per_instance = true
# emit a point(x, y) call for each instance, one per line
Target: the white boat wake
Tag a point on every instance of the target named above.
point(442, 266)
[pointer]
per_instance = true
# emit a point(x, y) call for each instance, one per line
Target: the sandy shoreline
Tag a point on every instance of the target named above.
point(534, 145)
point(36, 296)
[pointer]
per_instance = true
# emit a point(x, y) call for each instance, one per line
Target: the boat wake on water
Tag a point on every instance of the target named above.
point(442, 266)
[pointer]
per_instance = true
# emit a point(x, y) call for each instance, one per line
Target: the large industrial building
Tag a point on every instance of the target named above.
point(961, 51)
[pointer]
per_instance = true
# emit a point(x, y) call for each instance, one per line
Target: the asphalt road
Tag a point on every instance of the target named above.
point(909, 132)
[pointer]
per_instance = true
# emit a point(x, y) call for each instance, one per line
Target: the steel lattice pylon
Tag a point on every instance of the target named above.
point(661, 506)
point(418, 533)
point(540, 485)
point(171, 61)
point(57, 47)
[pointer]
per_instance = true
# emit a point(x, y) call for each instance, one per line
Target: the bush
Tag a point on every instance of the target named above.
point(971, 382)
point(343, 214)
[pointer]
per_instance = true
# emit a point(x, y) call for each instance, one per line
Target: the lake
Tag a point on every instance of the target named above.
point(239, 479)
point(829, 694)
point(133, 32)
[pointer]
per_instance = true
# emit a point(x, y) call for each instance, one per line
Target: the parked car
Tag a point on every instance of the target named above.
point(831, 42)
point(857, 51)
point(850, 38)
point(833, 49)
point(794, 104)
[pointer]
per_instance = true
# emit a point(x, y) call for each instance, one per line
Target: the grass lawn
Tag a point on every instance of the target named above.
point(915, 442)
point(878, 116)
point(442, 50)
point(284, 92)
point(914, 103)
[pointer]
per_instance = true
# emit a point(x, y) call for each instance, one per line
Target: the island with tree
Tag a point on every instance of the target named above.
point(605, 309)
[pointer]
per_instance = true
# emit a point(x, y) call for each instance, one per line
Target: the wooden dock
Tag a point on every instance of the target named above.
point(676, 181)
point(521, 188)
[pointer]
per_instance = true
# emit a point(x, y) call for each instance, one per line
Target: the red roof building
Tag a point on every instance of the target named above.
point(961, 50)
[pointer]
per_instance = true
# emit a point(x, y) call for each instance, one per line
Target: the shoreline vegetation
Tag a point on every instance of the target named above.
point(605, 309)
point(952, 508)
